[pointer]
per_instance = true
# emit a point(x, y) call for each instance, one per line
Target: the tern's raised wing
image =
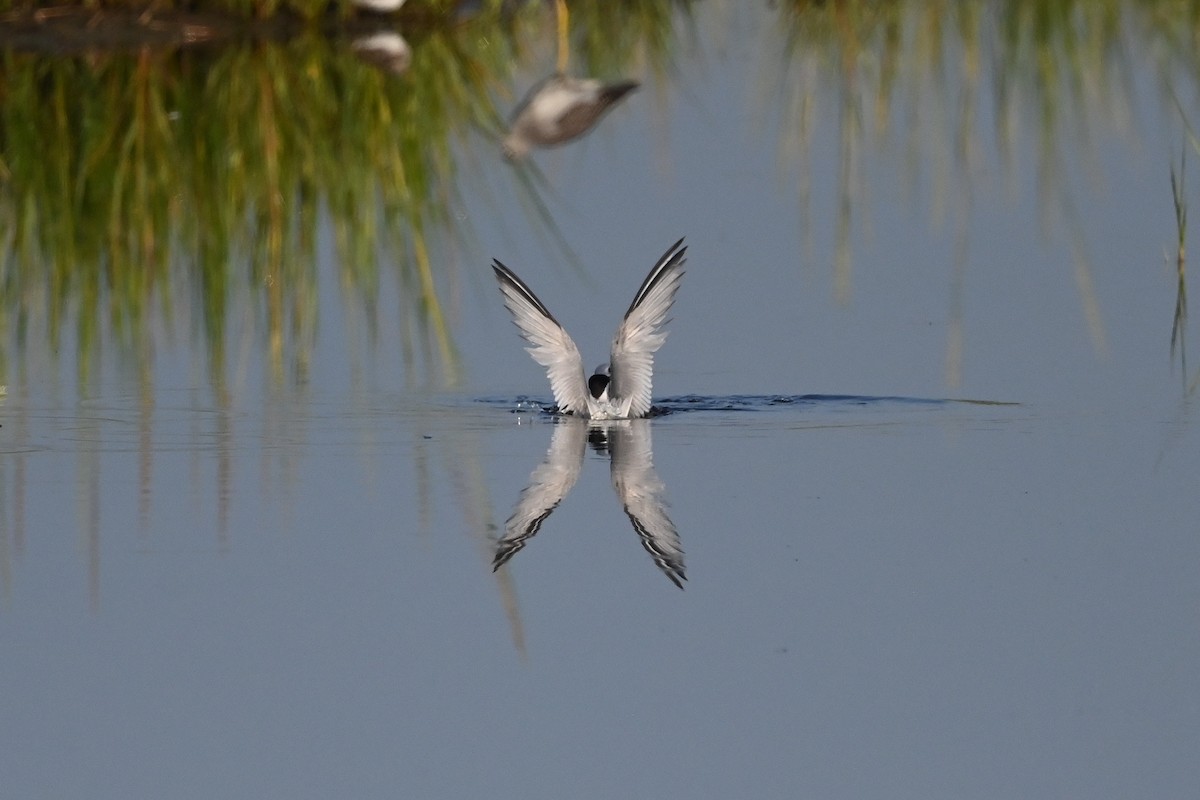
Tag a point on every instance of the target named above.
point(641, 334)
point(548, 485)
point(641, 492)
point(550, 345)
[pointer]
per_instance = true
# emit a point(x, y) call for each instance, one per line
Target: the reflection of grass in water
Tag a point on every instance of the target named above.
point(1179, 323)
point(1055, 68)
point(135, 187)
point(1179, 320)
point(125, 173)
point(255, 9)
point(608, 40)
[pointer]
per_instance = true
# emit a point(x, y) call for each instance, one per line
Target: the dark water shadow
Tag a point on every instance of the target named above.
point(755, 403)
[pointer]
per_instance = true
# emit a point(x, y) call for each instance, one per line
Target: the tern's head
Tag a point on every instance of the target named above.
point(598, 383)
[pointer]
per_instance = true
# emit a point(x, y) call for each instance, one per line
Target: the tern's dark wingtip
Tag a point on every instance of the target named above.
point(676, 257)
point(502, 272)
point(615, 91)
point(678, 251)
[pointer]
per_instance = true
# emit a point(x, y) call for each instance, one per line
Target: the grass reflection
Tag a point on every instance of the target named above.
point(1179, 322)
point(138, 185)
point(946, 79)
point(135, 184)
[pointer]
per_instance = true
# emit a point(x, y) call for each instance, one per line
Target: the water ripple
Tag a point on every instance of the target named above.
point(751, 403)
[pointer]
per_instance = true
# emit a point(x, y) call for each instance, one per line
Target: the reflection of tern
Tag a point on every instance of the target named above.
point(637, 485)
point(386, 50)
point(558, 109)
point(619, 389)
point(548, 485)
point(640, 491)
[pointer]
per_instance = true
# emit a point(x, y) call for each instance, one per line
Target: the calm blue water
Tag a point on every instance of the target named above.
point(937, 519)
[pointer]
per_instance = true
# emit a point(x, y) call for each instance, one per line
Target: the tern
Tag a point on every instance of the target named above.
point(559, 109)
point(619, 389)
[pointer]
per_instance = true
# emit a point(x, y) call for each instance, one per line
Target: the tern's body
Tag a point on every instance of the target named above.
point(558, 109)
point(619, 389)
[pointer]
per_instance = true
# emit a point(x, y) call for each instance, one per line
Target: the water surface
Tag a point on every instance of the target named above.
point(929, 453)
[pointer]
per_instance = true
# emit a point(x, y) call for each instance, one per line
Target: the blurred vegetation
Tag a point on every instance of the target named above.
point(1022, 76)
point(249, 9)
point(136, 184)
point(145, 188)
point(1179, 321)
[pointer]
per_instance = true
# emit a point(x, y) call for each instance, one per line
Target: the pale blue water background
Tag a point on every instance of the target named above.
point(885, 598)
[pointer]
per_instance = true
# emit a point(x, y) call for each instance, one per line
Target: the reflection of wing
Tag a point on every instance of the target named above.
point(548, 485)
point(641, 493)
